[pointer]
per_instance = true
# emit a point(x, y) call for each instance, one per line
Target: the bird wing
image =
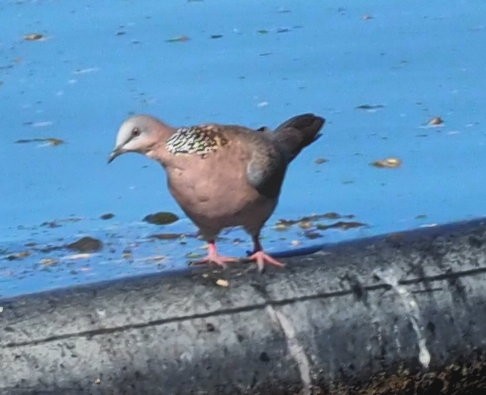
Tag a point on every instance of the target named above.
point(272, 152)
point(266, 167)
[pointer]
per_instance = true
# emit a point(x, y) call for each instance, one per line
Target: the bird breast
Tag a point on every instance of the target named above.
point(214, 191)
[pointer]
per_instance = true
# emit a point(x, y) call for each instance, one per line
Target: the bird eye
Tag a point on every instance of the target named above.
point(135, 132)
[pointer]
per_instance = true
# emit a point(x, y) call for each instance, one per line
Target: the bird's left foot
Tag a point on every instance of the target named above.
point(261, 259)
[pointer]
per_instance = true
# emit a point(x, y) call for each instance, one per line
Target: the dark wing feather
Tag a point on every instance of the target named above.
point(296, 133)
point(266, 168)
point(272, 152)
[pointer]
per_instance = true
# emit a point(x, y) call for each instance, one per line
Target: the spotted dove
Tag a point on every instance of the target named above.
point(222, 175)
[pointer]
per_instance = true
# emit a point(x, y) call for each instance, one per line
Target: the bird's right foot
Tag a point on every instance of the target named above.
point(214, 257)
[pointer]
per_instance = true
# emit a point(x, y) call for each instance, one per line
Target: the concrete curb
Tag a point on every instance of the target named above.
point(405, 313)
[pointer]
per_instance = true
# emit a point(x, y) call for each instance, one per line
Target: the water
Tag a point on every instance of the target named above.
point(250, 63)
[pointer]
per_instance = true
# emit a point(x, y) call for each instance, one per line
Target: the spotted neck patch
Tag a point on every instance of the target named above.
point(200, 140)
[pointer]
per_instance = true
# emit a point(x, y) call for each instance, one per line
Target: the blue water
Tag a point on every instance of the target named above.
point(253, 63)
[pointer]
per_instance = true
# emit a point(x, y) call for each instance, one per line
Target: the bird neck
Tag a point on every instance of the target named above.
point(158, 151)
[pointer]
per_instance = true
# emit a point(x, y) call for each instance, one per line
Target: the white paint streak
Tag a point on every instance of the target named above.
point(41, 124)
point(412, 309)
point(428, 225)
point(86, 70)
point(84, 255)
point(295, 349)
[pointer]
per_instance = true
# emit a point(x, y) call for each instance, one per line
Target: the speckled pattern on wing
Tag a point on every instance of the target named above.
point(199, 140)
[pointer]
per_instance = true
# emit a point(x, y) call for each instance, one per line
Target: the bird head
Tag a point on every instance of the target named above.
point(140, 134)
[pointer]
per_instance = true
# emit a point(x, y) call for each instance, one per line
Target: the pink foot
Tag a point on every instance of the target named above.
point(261, 259)
point(214, 257)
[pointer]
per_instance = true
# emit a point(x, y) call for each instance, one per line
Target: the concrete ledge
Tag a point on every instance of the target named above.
point(404, 313)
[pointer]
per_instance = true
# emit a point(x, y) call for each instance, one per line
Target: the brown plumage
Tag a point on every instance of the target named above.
point(222, 175)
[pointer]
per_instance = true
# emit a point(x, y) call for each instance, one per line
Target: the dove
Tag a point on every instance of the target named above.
point(222, 175)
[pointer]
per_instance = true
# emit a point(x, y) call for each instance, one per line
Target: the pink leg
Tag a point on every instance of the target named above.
point(214, 257)
point(261, 258)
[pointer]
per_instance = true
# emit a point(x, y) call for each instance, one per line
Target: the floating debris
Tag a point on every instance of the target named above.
point(86, 244)
point(388, 163)
point(107, 216)
point(370, 107)
point(421, 216)
point(311, 234)
point(285, 223)
point(367, 17)
point(48, 261)
point(344, 225)
point(34, 37)
point(50, 224)
point(435, 121)
point(49, 248)
point(166, 236)
point(283, 30)
point(18, 255)
point(161, 218)
point(333, 215)
point(216, 36)
point(127, 254)
point(280, 226)
point(57, 223)
point(222, 282)
point(305, 224)
point(178, 39)
point(320, 161)
point(263, 31)
point(48, 141)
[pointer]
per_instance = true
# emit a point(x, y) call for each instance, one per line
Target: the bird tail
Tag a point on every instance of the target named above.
point(297, 133)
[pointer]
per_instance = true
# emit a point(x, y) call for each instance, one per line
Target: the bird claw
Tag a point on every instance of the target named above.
point(261, 259)
point(259, 256)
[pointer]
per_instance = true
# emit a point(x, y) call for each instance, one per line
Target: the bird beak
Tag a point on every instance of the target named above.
point(116, 152)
